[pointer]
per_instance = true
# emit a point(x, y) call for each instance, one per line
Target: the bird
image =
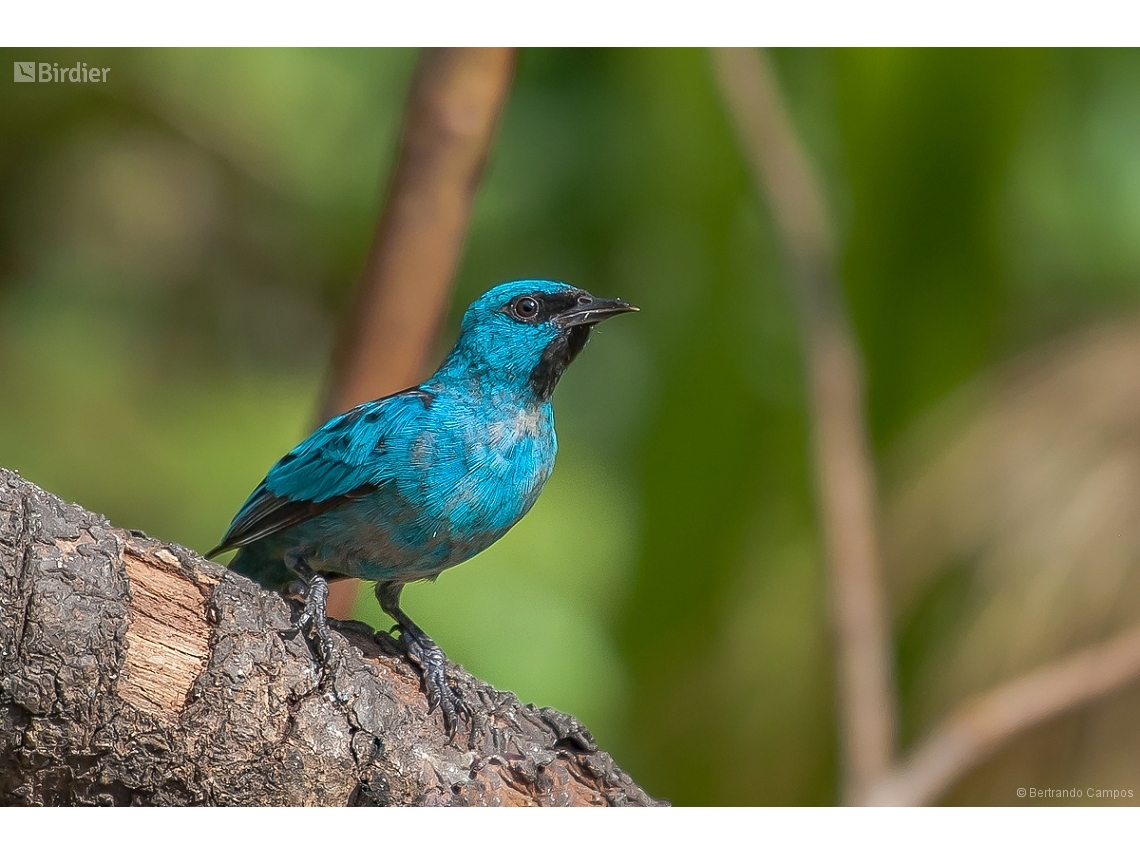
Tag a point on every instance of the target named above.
point(403, 487)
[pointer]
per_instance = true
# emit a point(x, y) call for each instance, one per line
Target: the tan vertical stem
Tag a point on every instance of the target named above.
point(845, 474)
point(388, 337)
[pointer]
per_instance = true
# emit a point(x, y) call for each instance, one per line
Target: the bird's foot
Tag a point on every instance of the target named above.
point(428, 656)
point(314, 614)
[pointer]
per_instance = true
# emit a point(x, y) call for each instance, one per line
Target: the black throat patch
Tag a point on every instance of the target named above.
point(557, 355)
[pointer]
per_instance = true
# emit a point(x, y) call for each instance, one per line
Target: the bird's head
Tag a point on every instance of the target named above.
point(525, 333)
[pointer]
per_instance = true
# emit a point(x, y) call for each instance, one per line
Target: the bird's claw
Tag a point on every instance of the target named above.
point(427, 656)
point(440, 693)
point(315, 615)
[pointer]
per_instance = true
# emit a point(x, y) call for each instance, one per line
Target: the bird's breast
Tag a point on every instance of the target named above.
point(464, 482)
point(477, 473)
point(507, 460)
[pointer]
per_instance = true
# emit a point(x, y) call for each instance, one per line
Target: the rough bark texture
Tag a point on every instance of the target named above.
point(137, 672)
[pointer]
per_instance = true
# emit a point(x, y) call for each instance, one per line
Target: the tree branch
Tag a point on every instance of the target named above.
point(844, 470)
point(387, 337)
point(386, 341)
point(981, 725)
point(136, 672)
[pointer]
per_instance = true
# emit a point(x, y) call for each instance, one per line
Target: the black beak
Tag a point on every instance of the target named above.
point(589, 310)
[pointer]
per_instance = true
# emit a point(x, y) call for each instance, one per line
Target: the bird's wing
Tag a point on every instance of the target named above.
point(344, 459)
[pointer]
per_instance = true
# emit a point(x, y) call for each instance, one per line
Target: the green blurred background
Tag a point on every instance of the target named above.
point(176, 246)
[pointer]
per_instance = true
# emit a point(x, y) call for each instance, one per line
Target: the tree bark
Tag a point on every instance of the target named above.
point(134, 671)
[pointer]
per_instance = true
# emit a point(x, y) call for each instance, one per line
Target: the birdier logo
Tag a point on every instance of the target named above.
point(50, 72)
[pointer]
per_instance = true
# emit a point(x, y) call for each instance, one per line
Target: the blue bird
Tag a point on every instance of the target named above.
point(403, 487)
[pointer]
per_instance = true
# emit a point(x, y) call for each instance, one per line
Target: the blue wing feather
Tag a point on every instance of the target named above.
point(342, 460)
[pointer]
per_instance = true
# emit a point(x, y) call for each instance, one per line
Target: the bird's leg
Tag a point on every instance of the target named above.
point(427, 655)
point(316, 595)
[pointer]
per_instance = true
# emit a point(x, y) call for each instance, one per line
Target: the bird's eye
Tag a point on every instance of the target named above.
point(525, 308)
